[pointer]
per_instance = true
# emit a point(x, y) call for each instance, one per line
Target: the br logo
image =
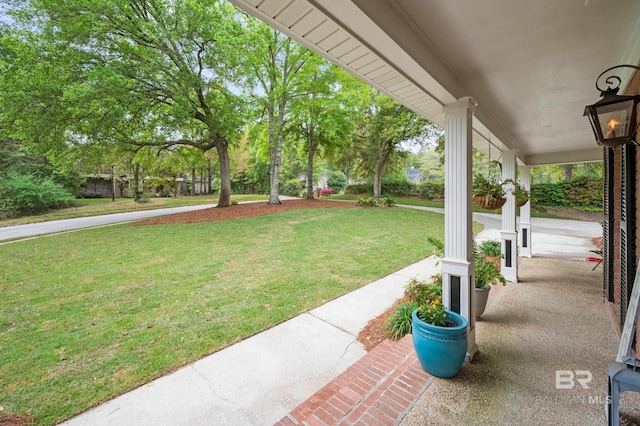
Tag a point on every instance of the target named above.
point(566, 379)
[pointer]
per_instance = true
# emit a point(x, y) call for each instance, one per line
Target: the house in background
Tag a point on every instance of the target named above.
point(414, 175)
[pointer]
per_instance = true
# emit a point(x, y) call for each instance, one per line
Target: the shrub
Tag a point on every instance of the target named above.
point(24, 194)
point(430, 190)
point(579, 192)
point(337, 181)
point(399, 322)
point(325, 192)
point(366, 202)
point(292, 188)
point(387, 202)
point(89, 194)
point(585, 192)
point(143, 198)
point(399, 187)
point(359, 188)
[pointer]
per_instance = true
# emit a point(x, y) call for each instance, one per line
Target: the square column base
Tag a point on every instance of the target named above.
point(458, 295)
point(509, 262)
point(524, 238)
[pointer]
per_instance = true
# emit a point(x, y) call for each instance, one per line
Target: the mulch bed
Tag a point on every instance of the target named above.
point(241, 211)
point(15, 420)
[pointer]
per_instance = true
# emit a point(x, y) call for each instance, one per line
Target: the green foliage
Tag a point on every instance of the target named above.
point(487, 187)
point(422, 291)
point(487, 272)
point(292, 188)
point(366, 202)
point(28, 194)
point(390, 186)
point(417, 293)
point(387, 202)
point(438, 246)
point(490, 248)
point(143, 198)
point(433, 313)
point(399, 322)
point(430, 190)
point(585, 192)
point(359, 188)
point(579, 192)
point(371, 202)
point(337, 182)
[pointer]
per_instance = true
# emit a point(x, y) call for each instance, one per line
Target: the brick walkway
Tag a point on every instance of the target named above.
point(379, 389)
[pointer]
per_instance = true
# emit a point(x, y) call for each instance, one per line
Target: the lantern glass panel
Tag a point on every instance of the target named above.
point(614, 119)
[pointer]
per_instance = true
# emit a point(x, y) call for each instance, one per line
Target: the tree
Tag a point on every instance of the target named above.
point(275, 63)
point(320, 118)
point(389, 123)
point(152, 72)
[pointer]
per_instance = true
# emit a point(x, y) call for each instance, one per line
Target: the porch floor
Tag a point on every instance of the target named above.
point(553, 320)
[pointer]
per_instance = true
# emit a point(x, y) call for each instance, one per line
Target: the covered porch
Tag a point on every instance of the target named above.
point(503, 77)
point(528, 333)
point(512, 78)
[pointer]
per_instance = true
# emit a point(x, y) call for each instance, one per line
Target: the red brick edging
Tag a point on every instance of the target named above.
point(379, 389)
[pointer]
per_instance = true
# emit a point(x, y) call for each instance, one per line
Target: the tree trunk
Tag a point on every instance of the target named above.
point(276, 157)
point(225, 174)
point(193, 181)
point(209, 178)
point(136, 182)
point(377, 175)
point(568, 171)
point(310, 154)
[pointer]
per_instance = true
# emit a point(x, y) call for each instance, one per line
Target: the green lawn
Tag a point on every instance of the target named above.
point(98, 206)
point(440, 204)
point(88, 315)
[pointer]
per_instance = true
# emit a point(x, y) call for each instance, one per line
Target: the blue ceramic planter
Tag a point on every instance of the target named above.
point(440, 350)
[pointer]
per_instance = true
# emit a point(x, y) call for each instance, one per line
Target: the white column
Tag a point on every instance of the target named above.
point(525, 215)
point(457, 265)
point(509, 235)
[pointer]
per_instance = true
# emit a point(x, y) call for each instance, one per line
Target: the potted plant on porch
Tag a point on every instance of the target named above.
point(487, 258)
point(439, 338)
point(488, 193)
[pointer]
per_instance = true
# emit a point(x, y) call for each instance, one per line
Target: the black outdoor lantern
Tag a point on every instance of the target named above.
point(613, 118)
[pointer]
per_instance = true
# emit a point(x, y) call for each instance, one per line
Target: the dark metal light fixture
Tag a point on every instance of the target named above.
point(613, 118)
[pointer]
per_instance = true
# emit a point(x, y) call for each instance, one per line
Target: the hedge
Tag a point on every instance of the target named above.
point(580, 192)
point(425, 190)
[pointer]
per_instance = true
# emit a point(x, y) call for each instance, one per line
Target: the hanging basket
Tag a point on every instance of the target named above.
point(521, 203)
point(489, 203)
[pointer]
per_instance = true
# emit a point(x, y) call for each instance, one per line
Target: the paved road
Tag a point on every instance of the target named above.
point(54, 226)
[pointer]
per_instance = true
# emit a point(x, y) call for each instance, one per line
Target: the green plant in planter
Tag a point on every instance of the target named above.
point(416, 294)
point(490, 248)
point(521, 194)
point(487, 273)
point(433, 313)
point(487, 187)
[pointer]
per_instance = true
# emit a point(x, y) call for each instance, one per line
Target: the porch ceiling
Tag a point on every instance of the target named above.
point(530, 66)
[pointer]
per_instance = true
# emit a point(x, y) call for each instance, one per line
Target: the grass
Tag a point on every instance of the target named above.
point(440, 204)
point(88, 315)
point(98, 206)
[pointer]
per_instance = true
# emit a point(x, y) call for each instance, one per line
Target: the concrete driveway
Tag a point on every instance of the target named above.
point(55, 226)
